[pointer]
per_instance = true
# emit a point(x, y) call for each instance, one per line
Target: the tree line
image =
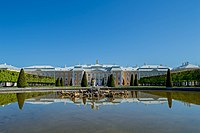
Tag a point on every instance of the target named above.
point(180, 78)
point(110, 81)
point(12, 76)
point(19, 97)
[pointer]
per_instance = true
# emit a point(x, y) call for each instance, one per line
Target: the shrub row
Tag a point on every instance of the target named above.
point(181, 76)
point(11, 76)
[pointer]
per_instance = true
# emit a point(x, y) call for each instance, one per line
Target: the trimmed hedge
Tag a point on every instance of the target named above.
point(177, 77)
point(84, 82)
point(112, 81)
point(11, 76)
point(21, 82)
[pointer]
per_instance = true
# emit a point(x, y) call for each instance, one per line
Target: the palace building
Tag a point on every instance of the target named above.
point(152, 70)
point(8, 67)
point(97, 72)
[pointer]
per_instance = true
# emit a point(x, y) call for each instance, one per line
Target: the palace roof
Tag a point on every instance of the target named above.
point(8, 67)
point(39, 67)
point(187, 65)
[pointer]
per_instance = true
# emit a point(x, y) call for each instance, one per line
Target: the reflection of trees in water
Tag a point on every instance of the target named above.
point(111, 99)
point(20, 99)
point(13, 97)
point(169, 99)
point(136, 94)
point(7, 98)
point(73, 99)
point(186, 97)
point(92, 105)
point(84, 100)
point(132, 94)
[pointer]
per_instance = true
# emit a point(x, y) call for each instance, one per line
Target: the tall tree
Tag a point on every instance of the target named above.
point(112, 81)
point(132, 80)
point(21, 82)
point(61, 82)
point(169, 79)
point(71, 83)
point(84, 82)
point(136, 80)
point(58, 82)
point(108, 81)
point(123, 83)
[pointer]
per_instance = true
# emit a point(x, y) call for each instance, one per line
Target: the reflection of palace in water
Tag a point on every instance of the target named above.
point(143, 97)
point(131, 97)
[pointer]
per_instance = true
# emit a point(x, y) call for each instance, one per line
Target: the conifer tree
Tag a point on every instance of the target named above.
point(58, 82)
point(61, 82)
point(112, 81)
point(136, 80)
point(169, 79)
point(84, 82)
point(123, 83)
point(21, 82)
point(71, 83)
point(132, 80)
point(108, 81)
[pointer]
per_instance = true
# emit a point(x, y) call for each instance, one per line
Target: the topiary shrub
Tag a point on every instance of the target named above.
point(21, 82)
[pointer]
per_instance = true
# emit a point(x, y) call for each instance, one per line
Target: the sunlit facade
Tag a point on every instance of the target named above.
point(97, 72)
point(152, 70)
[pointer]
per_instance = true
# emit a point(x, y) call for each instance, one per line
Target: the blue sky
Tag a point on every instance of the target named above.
point(124, 32)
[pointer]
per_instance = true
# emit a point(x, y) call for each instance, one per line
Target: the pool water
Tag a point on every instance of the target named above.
point(138, 112)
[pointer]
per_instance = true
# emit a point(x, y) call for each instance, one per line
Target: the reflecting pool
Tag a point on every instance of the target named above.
point(133, 112)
